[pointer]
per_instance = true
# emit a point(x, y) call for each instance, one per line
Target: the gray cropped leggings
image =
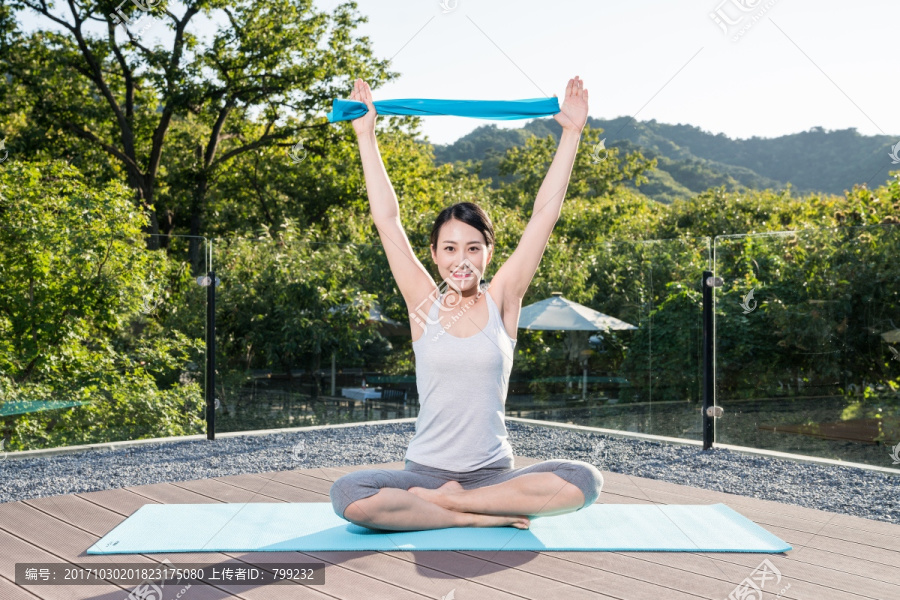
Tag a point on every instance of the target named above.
point(361, 484)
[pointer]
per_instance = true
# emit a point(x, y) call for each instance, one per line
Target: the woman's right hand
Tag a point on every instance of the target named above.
point(363, 93)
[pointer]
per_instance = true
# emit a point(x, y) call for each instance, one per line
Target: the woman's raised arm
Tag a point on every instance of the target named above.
point(515, 275)
point(414, 281)
point(382, 199)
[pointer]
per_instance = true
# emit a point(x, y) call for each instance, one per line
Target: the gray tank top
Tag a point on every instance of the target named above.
point(462, 385)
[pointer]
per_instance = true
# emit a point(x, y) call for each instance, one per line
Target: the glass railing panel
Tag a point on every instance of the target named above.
point(806, 327)
point(300, 326)
point(101, 338)
point(644, 378)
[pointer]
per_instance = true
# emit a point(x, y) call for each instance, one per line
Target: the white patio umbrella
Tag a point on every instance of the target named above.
point(892, 336)
point(558, 313)
point(387, 325)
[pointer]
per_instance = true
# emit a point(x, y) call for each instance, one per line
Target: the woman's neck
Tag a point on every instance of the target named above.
point(466, 299)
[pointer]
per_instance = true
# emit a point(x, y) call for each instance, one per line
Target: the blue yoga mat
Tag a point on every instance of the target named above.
point(313, 526)
point(346, 110)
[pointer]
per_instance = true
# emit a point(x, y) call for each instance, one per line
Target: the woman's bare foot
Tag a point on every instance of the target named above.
point(480, 520)
point(440, 496)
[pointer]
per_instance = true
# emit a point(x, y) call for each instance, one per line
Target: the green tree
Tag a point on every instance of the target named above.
point(77, 314)
point(116, 93)
point(596, 172)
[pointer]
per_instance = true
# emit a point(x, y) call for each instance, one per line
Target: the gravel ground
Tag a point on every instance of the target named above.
point(852, 491)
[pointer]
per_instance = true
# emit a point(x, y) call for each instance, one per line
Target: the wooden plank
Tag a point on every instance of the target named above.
point(67, 526)
point(304, 479)
point(846, 564)
point(11, 591)
point(704, 574)
point(217, 490)
point(466, 577)
point(875, 556)
point(14, 549)
point(792, 569)
point(644, 487)
point(611, 573)
point(718, 568)
point(863, 524)
point(282, 482)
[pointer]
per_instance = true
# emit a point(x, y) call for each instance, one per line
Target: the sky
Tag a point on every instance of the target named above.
point(773, 67)
point(743, 68)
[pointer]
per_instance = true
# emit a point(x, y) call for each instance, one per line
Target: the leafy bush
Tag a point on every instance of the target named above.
point(78, 291)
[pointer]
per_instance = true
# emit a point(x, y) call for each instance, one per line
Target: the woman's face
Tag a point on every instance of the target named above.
point(461, 249)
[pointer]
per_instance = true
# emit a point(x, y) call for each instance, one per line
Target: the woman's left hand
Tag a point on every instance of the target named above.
point(573, 112)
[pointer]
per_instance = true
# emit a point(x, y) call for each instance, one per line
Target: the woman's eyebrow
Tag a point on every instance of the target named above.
point(472, 242)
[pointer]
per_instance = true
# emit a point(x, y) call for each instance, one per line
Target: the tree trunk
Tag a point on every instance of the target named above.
point(195, 245)
point(152, 229)
point(166, 225)
point(144, 198)
point(317, 362)
point(317, 384)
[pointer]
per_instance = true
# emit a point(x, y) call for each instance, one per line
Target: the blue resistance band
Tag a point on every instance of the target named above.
point(346, 110)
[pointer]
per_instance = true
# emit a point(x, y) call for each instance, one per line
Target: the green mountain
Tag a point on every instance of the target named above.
point(690, 160)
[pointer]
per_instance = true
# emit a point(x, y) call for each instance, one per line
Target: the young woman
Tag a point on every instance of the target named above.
point(459, 469)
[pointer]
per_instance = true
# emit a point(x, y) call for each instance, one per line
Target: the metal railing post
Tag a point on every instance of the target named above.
point(210, 282)
point(709, 411)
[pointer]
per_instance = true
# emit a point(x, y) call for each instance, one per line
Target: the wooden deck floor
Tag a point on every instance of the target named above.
point(834, 556)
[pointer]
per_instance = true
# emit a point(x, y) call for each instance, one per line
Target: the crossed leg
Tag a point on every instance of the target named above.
point(404, 501)
point(393, 507)
point(400, 510)
point(533, 494)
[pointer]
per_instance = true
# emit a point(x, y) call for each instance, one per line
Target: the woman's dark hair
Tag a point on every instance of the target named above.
point(468, 213)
